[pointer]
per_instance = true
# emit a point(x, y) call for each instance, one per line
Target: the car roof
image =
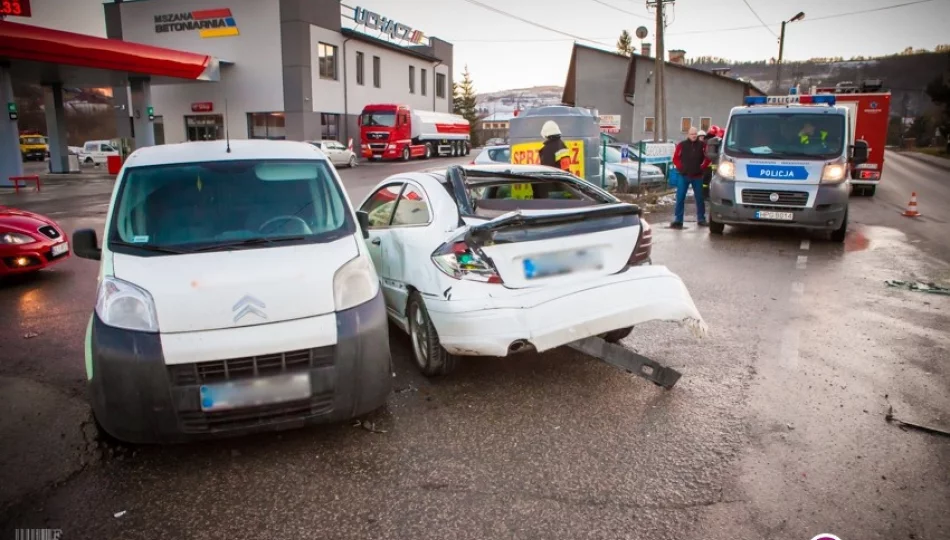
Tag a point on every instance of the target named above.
point(241, 149)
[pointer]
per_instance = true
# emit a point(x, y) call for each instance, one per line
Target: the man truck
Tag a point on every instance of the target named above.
point(392, 131)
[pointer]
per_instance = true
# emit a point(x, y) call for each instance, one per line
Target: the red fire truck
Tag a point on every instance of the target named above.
point(392, 131)
point(870, 111)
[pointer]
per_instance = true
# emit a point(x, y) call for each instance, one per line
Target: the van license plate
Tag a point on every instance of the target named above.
point(775, 216)
point(255, 392)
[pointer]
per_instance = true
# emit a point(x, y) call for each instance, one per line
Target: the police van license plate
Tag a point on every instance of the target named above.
point(775, 216)
point(255, 392)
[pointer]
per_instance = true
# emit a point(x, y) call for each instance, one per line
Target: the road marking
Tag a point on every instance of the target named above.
point(788, 350)
point(802, 262)
point(806, 243)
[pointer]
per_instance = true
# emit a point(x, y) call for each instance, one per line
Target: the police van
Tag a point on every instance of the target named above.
point(785, 161)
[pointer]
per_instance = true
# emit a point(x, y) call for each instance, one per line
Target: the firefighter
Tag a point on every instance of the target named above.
point(554, 153)
point(713, 137)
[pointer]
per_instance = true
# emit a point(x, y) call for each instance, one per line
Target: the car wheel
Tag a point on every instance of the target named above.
point(838, 234)
point(616, 335)
point(428, 150)
point(405, 154)
point(430, 356)
point(715, 227)
point(88, 161)
point(622, 185)
point(352, 162)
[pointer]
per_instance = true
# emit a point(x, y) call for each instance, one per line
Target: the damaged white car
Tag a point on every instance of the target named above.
point(491, 260)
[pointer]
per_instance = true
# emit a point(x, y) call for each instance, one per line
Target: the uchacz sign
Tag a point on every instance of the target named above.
point(210, 23)
point(389, 27)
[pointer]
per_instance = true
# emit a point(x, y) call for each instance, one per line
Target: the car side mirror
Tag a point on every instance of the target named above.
point(86, 244)
point(363, 218)
point(859, 152)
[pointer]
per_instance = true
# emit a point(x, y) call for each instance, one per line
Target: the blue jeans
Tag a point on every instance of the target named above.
point(681, 189)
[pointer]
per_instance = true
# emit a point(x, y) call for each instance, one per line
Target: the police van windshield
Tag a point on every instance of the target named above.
point(383, 119)
point(190, 207)
point(785, 135)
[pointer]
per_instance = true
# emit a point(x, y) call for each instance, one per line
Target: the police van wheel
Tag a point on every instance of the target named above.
point(868, 191)
point(838, 234)
point(715, 227)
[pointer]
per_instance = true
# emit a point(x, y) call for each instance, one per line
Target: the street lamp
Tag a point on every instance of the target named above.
point(781, 48)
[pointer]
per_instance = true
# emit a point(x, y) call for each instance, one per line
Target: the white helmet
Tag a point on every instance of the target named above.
point(550, 129)
point(701, 133)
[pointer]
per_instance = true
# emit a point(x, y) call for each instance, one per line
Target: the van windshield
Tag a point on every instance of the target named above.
point(32, 140)
point(384, 119)
point(793, 136)
point(189, 207)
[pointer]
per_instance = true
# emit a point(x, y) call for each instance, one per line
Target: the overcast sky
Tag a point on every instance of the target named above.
point(505, 53)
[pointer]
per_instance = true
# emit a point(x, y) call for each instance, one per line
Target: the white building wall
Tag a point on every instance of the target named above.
point(253, 84)
point(394, 78)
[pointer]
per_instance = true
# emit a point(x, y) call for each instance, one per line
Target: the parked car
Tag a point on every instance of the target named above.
point(97, 152)
point(468, 270)
point(494, 154)
point(29, 242)
point(650, 176)
point(236, 295)
point(337, 153)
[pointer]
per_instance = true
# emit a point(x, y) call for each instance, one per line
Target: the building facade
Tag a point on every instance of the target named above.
point(494, 126)
point(615, 84)
point(290, 69)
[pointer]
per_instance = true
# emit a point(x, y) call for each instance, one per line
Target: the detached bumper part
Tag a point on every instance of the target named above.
point(137, 398)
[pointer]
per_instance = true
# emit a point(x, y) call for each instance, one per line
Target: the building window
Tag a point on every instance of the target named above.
point(266, 125)
point(704, 123)
point(330, 124)
point(440, 85)
point(422, 81)
point(412, 79)
point(648, 124)
point(327, 60)
point(376, 72)
point(685, 123)
point(360, 79)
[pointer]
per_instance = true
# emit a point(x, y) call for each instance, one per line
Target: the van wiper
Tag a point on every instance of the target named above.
point(149, 247)
point(248, 242)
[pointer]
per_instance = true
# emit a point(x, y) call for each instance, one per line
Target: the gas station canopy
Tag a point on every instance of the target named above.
point(47, 56)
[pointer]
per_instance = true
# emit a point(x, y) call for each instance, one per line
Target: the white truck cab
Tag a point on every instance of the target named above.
point(236, 294)
point(785, 161)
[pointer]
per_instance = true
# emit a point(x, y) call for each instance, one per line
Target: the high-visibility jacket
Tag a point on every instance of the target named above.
point(805, 139)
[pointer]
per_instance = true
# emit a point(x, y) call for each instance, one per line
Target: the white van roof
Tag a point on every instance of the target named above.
point(193, 152)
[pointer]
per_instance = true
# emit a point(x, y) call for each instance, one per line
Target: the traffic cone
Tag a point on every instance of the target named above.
point(349, 144)
point(912, 206)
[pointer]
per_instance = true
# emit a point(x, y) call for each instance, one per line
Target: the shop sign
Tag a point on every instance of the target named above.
point(210, 23)
point(658, 152)
point(389, 27)
point(529, 153)
point(202, 106)
point(610, 123)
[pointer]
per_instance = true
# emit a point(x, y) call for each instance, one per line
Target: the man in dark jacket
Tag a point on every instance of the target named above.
point(690, 161)
point(554, 153)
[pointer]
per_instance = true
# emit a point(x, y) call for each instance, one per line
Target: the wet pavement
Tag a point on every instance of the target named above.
point(776, 430)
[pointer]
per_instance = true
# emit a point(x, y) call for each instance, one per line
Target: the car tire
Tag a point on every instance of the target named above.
point(715, 227)
point(839, 234)
point(88, 161)
point(616, 335)
point(430, 356)
point(352, 162)
point(405, 154)
point(622, 185)
point(428, 150)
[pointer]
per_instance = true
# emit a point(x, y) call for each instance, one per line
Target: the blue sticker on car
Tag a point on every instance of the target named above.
point(777, 172)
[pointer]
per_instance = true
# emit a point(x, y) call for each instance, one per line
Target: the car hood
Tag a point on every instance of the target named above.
point(628, 169)
point(13, 220)
point(208, 291)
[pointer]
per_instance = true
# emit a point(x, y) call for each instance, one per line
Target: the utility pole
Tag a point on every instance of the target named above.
point(659, 88)
point(781, 49)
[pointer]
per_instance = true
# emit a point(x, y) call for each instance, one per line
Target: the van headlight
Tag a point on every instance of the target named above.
point(355, 283)
point(121, 304)
point(726, 169)
point(834, 172)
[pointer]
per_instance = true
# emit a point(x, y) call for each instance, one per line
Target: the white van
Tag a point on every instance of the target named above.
point(236, 294)
point(97, 152)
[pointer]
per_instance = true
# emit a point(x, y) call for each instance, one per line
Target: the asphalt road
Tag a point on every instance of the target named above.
point(776, 430)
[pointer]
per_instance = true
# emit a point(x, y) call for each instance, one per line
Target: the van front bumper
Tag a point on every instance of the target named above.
point(139, 399)
point(827, 208)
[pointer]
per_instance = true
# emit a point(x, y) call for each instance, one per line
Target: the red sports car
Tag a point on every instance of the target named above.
point(29, 242)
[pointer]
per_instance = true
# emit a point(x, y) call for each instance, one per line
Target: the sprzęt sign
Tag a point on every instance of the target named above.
point(210, 23)
point(389, 27)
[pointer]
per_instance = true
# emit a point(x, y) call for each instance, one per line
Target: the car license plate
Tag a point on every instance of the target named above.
point(561, 263)
point(255, 392)
point(59, 249)
point(775, 216)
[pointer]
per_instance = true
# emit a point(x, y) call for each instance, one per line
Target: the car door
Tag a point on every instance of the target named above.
point(333, 153)
point(408, 232)
point(380, 207)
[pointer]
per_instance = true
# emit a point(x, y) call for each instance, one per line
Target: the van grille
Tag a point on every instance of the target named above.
point(249, 417)
point(250, 367)
point(785, 198)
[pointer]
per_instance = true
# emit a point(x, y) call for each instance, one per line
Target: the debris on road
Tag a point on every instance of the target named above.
point(30, 335)
point(918, 286)
point(368, 426)
point(409, 388)
point(890, 418)
point(119, 514)
point(627, 360)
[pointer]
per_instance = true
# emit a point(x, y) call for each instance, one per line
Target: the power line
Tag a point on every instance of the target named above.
point(528, 21)
point(748, 5)
point(883, 8)
point(621, 10)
